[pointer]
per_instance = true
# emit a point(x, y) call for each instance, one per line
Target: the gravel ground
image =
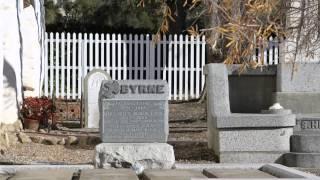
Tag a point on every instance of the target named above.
point(187, 135)
point(34, 153)
point(187, 131)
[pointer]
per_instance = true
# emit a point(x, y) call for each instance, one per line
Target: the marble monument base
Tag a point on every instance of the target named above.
point(134, 155)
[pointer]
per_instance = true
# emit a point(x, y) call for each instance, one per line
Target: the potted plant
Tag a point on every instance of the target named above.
point(36, 111)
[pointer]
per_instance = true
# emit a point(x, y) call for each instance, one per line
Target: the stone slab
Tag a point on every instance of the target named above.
point(304, 79)
point(304, 160)
point(306, 143)
point(299, 102)
point(202, 166)
point(236, 173)
point(171, 174)
point(252, 157)
point(282, 171)
point(307, 123)
point(3, 177)
point(134, 111)
point(250, 179)
point(44, 167)
point(277, 111)
point(147, 155)
point(92, 83)
point(218, 103)
point(109, 174)
point(243, 140)
point(238, 120)
point(45, 174)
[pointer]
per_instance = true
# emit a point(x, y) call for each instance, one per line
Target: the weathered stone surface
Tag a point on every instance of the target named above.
point(109, 174)
point(218, 90)
point(305, 78)
point(72, 140)
point(299, 102)
point(239, 120)
point(236, 173)
point(305, 142)
point(172, 174)
point(37, 139)
point(307, 123)
point(50, 140)
point(92, 83)
point(304, 160)
point(277, 111)
point(62, 141)
point(148, 155)
point(281, 171)
point(43, 174)
point(23, 138)
point(134, 111)
point(233, 136)
point(255, 140)
point(42, 131)
point(251, 157)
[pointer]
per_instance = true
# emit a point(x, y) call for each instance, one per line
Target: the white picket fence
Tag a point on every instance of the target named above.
point(177, 59)
point(268, 55)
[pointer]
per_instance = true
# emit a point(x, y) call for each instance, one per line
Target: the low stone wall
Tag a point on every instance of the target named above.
point(8, 134)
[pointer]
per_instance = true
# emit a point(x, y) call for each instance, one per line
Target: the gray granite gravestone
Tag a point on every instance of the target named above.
point(241, 137)
point(92, 83)
point(134, 111)
point(134, 125)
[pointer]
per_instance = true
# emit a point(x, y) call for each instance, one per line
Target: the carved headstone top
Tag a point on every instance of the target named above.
point(134, 89)
point(109, 89)
point(134, 111)
point(92, 83)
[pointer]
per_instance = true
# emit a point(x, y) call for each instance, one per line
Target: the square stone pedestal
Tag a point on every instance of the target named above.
point(125, 155)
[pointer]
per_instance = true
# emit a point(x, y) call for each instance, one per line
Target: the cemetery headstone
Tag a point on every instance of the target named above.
point(134, 111)
point(134, 125)
point(92, 83)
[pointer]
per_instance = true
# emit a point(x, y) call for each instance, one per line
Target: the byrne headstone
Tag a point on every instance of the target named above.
point(92, 83)
point(134, 111)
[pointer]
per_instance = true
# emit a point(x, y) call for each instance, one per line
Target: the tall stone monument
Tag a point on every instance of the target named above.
point(134, 125)
point(241, 137)
point(92, 83)
point(298, 86)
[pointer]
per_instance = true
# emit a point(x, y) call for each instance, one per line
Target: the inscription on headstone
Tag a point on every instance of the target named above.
point(134, 111)
point(312, 124)
point(307, 123)
point(92, 83)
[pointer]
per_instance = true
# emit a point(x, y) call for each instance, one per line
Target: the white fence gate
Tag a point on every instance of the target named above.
point(176, 59)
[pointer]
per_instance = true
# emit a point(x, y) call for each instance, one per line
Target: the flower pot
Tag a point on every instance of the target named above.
point(31, 124)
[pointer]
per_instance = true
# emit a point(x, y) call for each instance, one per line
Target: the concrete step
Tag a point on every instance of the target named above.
point(46, 174)
point(304, 160)
point(305, 142)
point(236, 173)
point(112, 174)
point(177, 174)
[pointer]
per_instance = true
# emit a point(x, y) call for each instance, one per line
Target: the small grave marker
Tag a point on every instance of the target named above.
point(92, 83)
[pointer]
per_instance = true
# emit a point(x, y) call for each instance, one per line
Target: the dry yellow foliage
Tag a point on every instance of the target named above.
point(245, 26)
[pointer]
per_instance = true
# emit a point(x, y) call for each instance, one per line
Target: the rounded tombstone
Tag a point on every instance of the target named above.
point(92, 83)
